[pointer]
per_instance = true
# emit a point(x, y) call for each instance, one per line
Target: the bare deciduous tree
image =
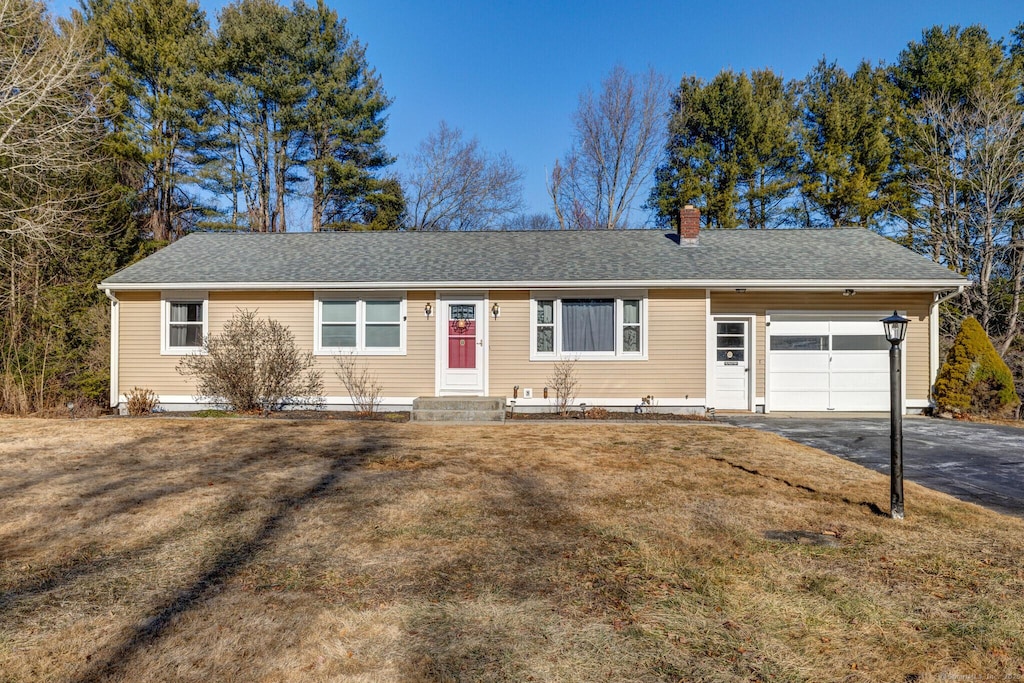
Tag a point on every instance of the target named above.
point(619, 134)
point(456, 185)
point(969, 173)
point(50, 132)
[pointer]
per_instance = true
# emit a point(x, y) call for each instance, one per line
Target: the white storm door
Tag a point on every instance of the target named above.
point(461, 346)
point(732, 364)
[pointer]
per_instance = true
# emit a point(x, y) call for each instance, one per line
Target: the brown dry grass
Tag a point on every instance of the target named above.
point(256, 550)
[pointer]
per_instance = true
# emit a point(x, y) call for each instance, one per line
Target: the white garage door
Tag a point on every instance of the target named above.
point(837, 364)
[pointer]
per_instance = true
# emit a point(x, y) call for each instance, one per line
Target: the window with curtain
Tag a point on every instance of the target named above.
point(598, 327)
point(588, 325)
point(185, 328)
point(184, 322)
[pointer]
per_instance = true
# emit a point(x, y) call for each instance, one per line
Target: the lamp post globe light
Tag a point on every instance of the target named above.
point(895, 332)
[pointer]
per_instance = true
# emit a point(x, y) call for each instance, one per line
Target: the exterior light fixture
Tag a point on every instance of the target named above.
point(895, 328)
point(428, 309)
point(495, 310)
point(895, 332)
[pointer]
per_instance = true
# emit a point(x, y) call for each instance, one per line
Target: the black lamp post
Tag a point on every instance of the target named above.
point(895, 333)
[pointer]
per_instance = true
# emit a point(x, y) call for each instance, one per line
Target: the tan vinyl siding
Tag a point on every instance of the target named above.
point(917, 307)
point(675, 367)
point(141, 364)
point(408, 375)
point(139, 361)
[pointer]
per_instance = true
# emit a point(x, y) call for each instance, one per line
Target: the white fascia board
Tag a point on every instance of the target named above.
point(724, 285)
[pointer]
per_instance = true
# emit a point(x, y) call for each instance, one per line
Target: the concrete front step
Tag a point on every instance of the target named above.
point(458, 409)
point(457, 416)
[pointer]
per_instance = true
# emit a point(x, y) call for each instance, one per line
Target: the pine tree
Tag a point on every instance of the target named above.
point(846, 177)
point(731, 150)
point(344, 126)
point(156, 66)
point(262, 83)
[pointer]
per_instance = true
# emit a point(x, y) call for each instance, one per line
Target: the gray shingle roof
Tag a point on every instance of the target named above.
point(847, 255)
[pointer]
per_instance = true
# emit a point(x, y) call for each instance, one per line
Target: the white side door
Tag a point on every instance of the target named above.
point(732, 363)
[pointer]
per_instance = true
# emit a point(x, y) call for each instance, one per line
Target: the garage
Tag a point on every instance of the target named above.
point(820, 362)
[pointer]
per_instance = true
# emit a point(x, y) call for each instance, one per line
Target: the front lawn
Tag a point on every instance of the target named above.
point(272, 550)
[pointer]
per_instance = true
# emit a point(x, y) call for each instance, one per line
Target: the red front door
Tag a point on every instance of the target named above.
point(461, 336)
point(461, 332)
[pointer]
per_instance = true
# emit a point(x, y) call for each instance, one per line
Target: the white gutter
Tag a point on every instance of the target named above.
point(725, 285)
point(933, 331)
point(115, 340)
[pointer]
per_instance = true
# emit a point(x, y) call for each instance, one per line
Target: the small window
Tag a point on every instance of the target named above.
point(186, 326)
point(184, 321)
point(731, 342)
point(338, 324)
point(859, 342)
point(546, 326)
point(791, 342)
point(631, 326)
point(383, 324)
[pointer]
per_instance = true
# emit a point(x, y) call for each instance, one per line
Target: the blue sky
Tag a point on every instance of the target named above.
point(510, 73)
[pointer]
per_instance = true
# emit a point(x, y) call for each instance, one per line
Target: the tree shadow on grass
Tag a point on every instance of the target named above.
point(228, 562)
point(482, 613)
point(66, 558)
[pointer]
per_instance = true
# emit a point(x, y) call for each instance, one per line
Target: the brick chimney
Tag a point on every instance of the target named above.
point(689, 224)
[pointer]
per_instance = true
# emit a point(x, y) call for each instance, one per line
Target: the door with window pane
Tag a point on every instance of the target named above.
point(462, 347)
point(732, 363)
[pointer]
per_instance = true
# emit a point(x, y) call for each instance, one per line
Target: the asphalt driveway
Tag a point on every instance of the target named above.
point(978, 463)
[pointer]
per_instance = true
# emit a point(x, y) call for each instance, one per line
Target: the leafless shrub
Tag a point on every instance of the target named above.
point(141, 401)
point(598, 413)
point(565, 383)
point(254, 365)
point(362, 385)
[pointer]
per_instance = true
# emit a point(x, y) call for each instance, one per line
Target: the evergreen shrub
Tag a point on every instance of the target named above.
point(974, 380)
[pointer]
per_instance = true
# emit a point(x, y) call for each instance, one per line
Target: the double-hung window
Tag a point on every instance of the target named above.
point(361, 325)
point(595, 327)
point(183, 322)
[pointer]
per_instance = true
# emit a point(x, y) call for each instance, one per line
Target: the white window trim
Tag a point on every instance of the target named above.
point(181, 297)
point(360, 298)
point(618, 295)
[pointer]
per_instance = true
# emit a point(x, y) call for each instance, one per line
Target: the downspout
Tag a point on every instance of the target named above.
point(933, 332)
point(115, 340)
